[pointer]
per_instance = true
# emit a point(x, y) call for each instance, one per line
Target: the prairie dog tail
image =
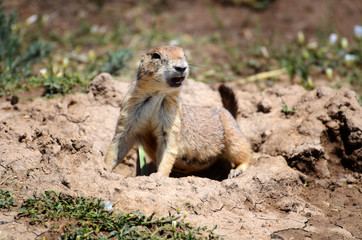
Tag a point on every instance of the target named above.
point(229, 99)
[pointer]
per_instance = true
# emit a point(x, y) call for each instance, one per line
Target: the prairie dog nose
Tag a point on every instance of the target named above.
point(180, 66)
point(180, 69)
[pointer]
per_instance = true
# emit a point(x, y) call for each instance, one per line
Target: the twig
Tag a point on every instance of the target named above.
point(4, 181)
point(263, 75)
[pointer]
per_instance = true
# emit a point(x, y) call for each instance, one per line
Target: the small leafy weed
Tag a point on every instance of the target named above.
point(92, 221)
point(288, 111)
point(6, 199)
point(116, 61)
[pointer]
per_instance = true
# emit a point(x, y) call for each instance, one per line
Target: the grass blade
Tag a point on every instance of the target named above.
point(142, 160)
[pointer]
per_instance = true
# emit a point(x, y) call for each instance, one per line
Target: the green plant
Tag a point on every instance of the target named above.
point(257, 4)
point(15, 65)
point(288, 111)
point(6, 199)
point(68, 76)
point(142, 160)
point(116, 61)
point(90, 220)
point(323, 56)
point(56, 82)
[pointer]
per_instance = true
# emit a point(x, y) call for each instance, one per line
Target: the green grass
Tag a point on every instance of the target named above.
point(257, 4)
point(73, 58)
point(142, 161)
point(88, 219)
point(61, 72)
point(6, 199)
point(300, 58)
point(16, 63)
point(66, 77)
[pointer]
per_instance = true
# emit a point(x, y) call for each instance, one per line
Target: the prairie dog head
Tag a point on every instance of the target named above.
point(163, 68)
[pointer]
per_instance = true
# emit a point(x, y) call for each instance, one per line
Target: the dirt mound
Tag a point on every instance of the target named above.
point(59, 144)
point(315, 131)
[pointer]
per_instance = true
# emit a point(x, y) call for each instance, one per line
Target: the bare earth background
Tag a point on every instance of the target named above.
point(305, 180)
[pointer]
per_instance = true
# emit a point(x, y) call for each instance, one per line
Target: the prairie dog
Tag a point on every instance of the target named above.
point(175, 136)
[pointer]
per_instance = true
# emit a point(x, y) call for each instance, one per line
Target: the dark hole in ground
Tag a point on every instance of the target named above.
point(218, 171)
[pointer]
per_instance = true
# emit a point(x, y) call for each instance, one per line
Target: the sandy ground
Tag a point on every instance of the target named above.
point(305, 180)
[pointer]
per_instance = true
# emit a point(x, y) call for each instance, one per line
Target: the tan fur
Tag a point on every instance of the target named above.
point(174, 136)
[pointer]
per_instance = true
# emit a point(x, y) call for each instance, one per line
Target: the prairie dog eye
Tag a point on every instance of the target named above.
point(155, 56)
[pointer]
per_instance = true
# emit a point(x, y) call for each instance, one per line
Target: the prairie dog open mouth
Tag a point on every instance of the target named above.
point(176, 81)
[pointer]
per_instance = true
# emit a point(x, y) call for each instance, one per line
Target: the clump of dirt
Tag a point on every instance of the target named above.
point(305, 179)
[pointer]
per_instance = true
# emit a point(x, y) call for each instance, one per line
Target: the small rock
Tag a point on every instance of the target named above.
point(66, 181)
point(350, 94)
point(326, 204)
point(323, 91)
point(22, 137)
point(350, 179)
point(341, 182)
point(79, 144)
point(14, 100)
point(264, 106)
point(108, 206)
